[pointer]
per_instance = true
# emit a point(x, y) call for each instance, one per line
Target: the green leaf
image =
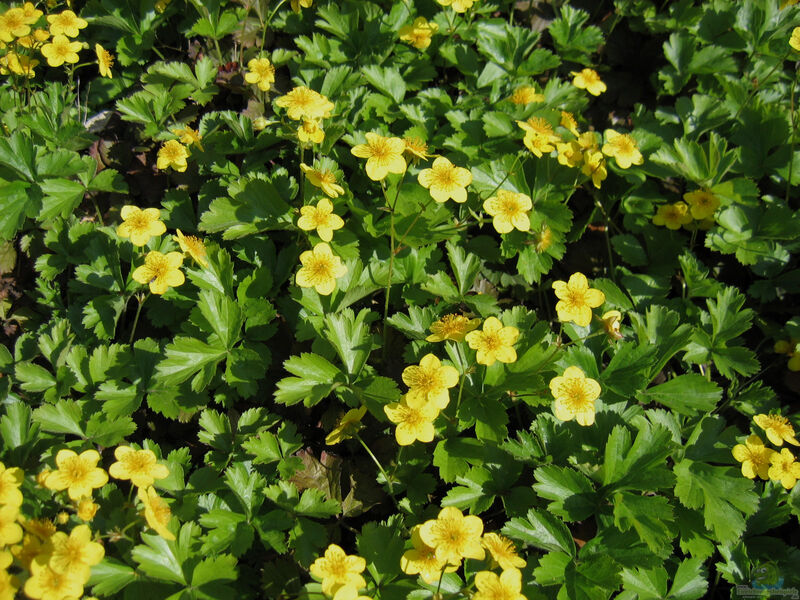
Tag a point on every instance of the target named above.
point(316, 379)
point(160, 558)
point(689, 394)
point(216, 568)
point(541, 530)
point(18, 152)
point(386, 80)
point(690, 581)
point(254, 205)
point(65, 416)
point(641, 466)
point(382, 547)
point(33, 378)
point(647, 584)
point(105, 432)
point(62, 197)
point(221, 315)
point(574, 40)
point(16, 425)
point(650, 516)
point(466, 266)
point(351, 338)
point(110, 576)
point(572, 494)
point(721, 492)
point(184, 357)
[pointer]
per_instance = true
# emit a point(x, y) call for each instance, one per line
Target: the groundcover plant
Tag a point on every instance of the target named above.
point(421, 299)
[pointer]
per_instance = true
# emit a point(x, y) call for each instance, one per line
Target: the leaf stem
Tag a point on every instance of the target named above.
point(389, 482)
point(141, 298)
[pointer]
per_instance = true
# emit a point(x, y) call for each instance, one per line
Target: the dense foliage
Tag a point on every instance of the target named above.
point(382, 300)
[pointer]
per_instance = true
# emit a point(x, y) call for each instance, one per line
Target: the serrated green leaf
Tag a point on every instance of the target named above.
point(686, 394)
point(316, 379)
point(542, 530)
point(184, 357)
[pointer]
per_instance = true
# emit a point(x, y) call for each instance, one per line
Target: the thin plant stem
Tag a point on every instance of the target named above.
point(141, 298)
point(389, 482)
point(391, 206)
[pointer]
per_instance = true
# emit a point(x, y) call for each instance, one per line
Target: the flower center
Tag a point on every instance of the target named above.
point(509, 207)
point(138, 463)
point(491, 342)
point(320, 268)
point(76, 469)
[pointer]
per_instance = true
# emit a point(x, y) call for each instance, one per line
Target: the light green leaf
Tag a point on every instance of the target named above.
point(686, 394)
point(541, 530)
point(184, 357)
point(316, 378)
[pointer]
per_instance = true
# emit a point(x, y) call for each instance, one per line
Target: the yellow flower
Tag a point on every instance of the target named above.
point(105, 60)
point(320, 270)
point(10, 480)
point(156, 512)
point(778, 429)
point(672, 215)
point(575, 395)
point(453, 536)
point(506, 586)
point(459, 6)
point(587, 141)
point(189, 136)
point(413, 422)
point(589, 80)
point(86, 509)
point(325, 180)
point(623, 148)
point(702, 203)
point(347, 426)
point(66, 23)
point(304, 103)
point(10, 530)
point(61, 50)
point(422, 560)
point(784, 346)
point(452, 327)
point(384, 155)
point(569, 123)
point(494, 342)
point(160, 271)
point(429, 382)
point(31, 13)
point(594, 166)
point(794, 41)
point(41, 528)
point(576, 299)
point(30, 548)
point(74, 553)
point(261, 72)
point(419, 34)
point(416, 148)
point(296, 4)
point(140, 466)
point(62, 518)
point(9, 584)
point(444, 181)
point(173, 154)
point(46, 584)
point(140, 225)
point(78, 474)
point(34, 39)
point(539, 136)
point(509, 210)
point(754, 456)
point(336, 569)
point(570, 154)
point(503, 551)
point(784, 468)
point(193, 246)
point(526, 94)
point(320, 217)
point(13, 24)
point(611, 323)
point(310, 131)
